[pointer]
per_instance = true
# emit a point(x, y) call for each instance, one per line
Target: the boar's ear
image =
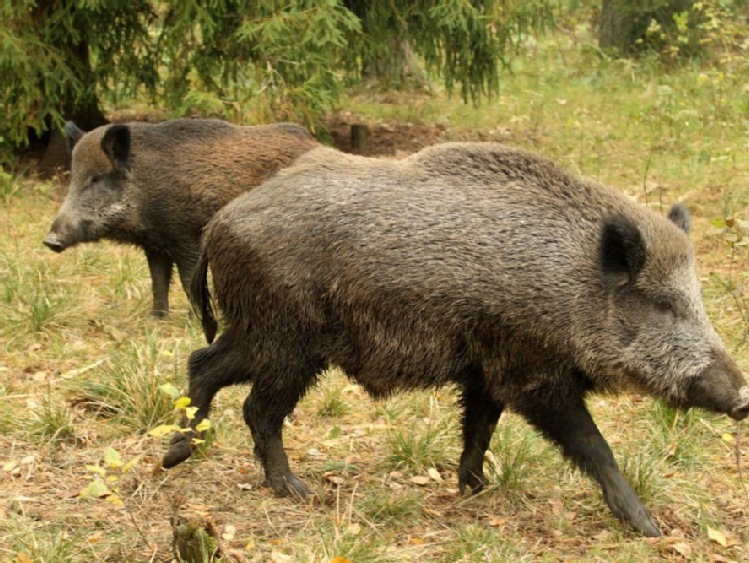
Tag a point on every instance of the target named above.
point(679, 216)
point(116, 145)
point(622, 252)
point(72, 135)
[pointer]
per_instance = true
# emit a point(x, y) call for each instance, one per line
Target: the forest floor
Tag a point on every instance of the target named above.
point(82, 364)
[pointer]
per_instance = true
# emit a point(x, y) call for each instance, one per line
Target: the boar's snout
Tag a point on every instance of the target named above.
point(741, 411)
point(720, 388)
point(54, 242)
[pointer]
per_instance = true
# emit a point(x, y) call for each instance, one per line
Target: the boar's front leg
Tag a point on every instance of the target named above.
point(480, 416)
point(273, 397)
point(566, 421)
point(160, 266)
point(210, 369)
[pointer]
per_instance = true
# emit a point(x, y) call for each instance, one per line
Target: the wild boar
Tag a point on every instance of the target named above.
point(157, 185)
point(468, 264)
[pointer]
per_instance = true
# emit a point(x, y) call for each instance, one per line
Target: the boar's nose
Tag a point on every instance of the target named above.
point(53, 242)
point(741, 411)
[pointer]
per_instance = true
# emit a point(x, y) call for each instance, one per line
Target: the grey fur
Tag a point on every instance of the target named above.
point(468, 264)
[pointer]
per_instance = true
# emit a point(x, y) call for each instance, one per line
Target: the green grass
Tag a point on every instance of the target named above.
point(128, 387)
point(82, 361)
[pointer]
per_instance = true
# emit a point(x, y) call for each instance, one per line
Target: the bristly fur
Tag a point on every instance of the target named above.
point(467, 263)
point(157, 185)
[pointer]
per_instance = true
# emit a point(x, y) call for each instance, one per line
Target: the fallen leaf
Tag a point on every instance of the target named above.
point(416, 541)
point(229, 532)
point(353, 529)
point(244, 486)
point(420, 480)
point(27, 460)
point(340, 560)
point(727, 438)
point(112, 458)
point(278, 557)
point(23, 558)
point(169, 389)
point(10, 466)
point(250, 545)
point(717, 536)
point(95, 489)
point(494, 521)
point(163, 430)
point(190, 412)
point(682, 549)
point(336, 480)
point(95, 537)
point(435, 475)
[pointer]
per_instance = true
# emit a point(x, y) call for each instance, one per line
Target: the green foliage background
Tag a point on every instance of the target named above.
point(63, 59)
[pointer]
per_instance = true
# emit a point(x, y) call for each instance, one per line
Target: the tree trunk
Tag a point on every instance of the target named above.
point(624, 23)
point(618, 21)
point(82, 108)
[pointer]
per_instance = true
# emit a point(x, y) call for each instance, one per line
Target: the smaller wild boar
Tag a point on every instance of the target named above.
point(157, 185)
point(469, 264)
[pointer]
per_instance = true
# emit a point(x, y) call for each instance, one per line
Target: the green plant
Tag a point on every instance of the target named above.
point(129, 386)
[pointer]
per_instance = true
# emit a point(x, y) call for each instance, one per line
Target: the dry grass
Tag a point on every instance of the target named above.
point(82, 361)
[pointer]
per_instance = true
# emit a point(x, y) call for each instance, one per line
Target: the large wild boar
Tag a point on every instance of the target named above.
point(470, 264)
point(157, 185)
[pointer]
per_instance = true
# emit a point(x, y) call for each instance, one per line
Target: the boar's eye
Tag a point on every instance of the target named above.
point(95, 179)
point(665, 307)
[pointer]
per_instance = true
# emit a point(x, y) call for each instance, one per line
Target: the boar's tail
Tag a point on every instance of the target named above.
point(201, 298)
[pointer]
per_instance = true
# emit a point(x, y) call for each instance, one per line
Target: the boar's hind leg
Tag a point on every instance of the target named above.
point(567, 422)
point(210, 369)
point(480, 416)
point(273, 397)
point(160, 266)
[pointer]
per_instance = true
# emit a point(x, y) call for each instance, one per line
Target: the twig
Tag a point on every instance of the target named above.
point(135, 524)
point(739, 471)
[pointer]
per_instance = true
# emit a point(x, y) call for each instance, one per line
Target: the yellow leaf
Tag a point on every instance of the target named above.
point(115, 500)
point(112, 458)
point(112, 479)
point(340, 560)
point(130, 464)
point(727, 438)
point(169, 389)
point(23, 558)
point(182, 403)
point(420, 480)
point(163, 430)
point(96, 469)
point(190, 412)
point(250, 545)
point(95, 489)
point(717, 536)
point(197, 441)
point(203, 425)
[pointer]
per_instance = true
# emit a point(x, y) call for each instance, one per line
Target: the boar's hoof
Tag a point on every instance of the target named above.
point(472, 478)
point(159, 313)
point(628, 508)
point(180, 449)
point(288, 485)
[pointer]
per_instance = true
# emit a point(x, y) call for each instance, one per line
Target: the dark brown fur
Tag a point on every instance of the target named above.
point(467, 264)
point(157, 185)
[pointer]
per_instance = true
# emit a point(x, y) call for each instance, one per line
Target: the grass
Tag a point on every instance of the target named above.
point(82, 361)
